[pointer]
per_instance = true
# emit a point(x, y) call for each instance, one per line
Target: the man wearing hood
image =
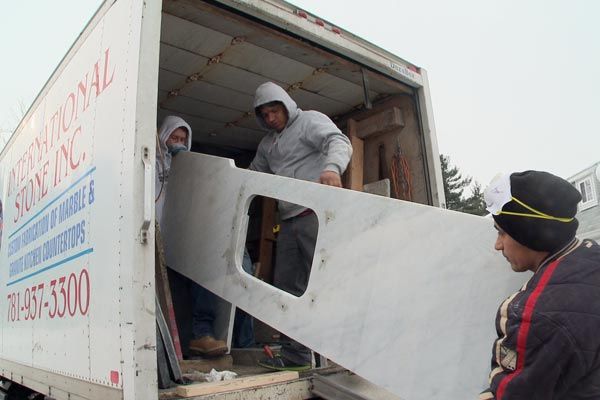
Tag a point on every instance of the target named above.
point(175, 135)
point(304, 145)
point(548, 344)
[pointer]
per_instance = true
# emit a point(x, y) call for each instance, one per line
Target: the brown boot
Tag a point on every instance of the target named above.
point(208, 346)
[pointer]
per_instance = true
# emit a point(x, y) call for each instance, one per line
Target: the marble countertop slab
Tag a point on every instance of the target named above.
point(402, 294)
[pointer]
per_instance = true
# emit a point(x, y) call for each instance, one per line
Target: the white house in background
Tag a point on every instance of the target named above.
point(588, 184)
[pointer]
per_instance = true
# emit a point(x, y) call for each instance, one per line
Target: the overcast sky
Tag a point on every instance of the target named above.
point(515, 84)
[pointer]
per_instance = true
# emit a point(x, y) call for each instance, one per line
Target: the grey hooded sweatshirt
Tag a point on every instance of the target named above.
point(163, 159)
point(308, 145)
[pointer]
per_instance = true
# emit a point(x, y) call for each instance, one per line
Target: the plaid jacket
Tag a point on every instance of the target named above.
point(548, 344)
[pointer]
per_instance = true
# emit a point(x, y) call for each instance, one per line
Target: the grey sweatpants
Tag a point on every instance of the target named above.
point(294, 255)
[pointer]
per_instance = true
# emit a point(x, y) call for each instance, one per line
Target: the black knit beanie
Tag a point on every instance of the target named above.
point(545, 193)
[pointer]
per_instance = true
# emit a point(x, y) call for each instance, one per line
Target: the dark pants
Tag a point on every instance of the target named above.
point(294, 255)
point(243, 327)
point(203, 312)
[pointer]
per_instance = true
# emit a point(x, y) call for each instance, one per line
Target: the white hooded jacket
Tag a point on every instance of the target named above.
point(163, 159)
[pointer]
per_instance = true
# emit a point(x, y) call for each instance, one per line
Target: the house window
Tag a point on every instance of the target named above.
point(588, 193)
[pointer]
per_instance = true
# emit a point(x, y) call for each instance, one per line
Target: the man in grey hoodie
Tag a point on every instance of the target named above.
point(304, 145)
point(175, 135)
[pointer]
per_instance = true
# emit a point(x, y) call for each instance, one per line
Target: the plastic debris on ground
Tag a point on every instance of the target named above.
point(212, 376)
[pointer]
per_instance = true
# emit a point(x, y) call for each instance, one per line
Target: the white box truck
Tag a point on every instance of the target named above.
point(77, 176)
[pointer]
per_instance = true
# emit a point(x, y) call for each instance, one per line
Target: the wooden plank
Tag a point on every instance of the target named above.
point(299, 389)
point(163, 291)
point(236, 384)
point(384, 121)
point(354, 173)
point(267, 239)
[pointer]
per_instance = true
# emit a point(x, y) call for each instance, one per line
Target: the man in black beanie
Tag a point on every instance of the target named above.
point(548, 344)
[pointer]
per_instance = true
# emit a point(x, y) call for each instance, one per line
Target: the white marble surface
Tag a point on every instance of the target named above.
point(404, 295)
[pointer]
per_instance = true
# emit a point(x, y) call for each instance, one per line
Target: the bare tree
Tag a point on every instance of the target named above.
point(8, 127)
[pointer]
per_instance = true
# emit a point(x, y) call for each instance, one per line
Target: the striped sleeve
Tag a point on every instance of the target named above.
point(534, 353)
point(541, 363)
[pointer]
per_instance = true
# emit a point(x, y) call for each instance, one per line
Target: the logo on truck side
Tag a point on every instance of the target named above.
point(404, 71)
point(51, 185)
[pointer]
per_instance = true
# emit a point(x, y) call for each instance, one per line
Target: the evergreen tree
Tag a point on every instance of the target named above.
point(475, 204)
point(454, 186)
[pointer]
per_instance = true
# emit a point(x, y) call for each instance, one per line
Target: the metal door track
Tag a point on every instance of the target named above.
point(348, 387)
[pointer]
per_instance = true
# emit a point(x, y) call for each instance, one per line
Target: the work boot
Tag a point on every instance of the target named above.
point(208, 346)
